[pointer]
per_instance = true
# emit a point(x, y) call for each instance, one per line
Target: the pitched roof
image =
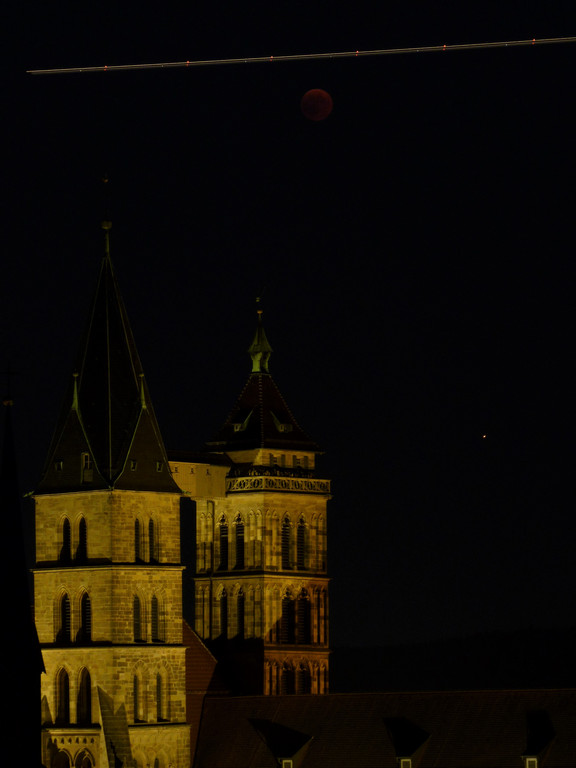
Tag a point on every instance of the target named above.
point(202, 675)
point(202, 679)
point(457, 729)
point(261, 418)
point(108, 414)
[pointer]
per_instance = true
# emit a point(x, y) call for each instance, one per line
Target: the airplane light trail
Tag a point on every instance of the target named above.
point(307, 56)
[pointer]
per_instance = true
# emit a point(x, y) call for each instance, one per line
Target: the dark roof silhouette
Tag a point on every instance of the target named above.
point(456, 729)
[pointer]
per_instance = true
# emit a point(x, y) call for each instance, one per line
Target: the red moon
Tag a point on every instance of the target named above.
point(316, 104)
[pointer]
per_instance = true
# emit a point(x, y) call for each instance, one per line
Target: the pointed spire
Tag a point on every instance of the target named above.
point(108, 419)
point(261, 418)
point(260, 349)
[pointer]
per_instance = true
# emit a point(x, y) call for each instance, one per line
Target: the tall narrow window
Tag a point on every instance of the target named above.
point(85, 631)
point(62, 698)
point(239, 543)
point(82, 549)
point(240, 614)
point(223, 566)
point(156, 621)
point(303, 634)
point(137, 542)
point(137, 619)
point(161, 701)
point(287, 623)
point(84, 708)
point(301, 545)
point(66, 550)
point(303, 680)
point(287, 686)
point(152, 543)
point(224, 614)
point(286, 544)
point(137, 696)
point(63, 635)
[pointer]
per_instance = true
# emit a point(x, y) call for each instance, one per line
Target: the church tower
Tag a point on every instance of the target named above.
point(107, 578)
point(261, 583)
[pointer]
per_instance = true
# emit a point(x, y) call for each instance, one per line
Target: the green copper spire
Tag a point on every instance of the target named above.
point(261, 418)
point(260, 349)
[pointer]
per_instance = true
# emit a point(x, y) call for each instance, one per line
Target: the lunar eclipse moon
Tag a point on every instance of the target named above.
point(316, 104)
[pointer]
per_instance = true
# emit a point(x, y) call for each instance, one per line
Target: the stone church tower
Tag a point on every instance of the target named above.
point(108, 579)
point(261, 584)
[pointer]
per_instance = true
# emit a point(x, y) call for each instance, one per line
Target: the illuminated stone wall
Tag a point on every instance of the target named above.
point(108, 609)
point(260, 548)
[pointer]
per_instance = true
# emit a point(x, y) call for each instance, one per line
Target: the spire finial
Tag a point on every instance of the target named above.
point(260, 350)
point(75, 392)
point(107, 226)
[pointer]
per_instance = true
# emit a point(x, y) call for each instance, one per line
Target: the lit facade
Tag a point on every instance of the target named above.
point(108, 578)
point(261, 583)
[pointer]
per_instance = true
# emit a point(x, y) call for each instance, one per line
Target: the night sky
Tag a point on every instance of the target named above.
point(414, 253)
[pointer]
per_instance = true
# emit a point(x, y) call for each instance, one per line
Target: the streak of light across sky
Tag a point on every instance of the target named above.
point(308, 56)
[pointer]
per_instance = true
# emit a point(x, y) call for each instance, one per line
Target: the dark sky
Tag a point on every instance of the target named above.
point(414, 251)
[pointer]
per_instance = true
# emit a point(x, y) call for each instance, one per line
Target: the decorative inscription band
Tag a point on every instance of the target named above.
point(294, 484)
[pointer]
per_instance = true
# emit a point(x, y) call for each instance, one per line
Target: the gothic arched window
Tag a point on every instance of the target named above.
point(287, 682)
point(137, 619)
point(156, 620)
point(239, 542)
point(137, 542)
point(64, 633)
point(288, 622)
point(224, 614)
point(61, 759)
point(62, 698)
point(83, 760)
point(82, 549)
point(240, 615)
point(66, 551)
point(85, 631)
point(84, 708)
point(152, 543)
point(301, 545)
point(223, 565)
point(286, 565)
point(303, 680)
point(137, 699)
point(303, 634)
point(161, 698)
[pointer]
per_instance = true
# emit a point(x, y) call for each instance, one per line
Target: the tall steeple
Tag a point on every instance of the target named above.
point(107, 435)
point(108, 578)
point(261, 581)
